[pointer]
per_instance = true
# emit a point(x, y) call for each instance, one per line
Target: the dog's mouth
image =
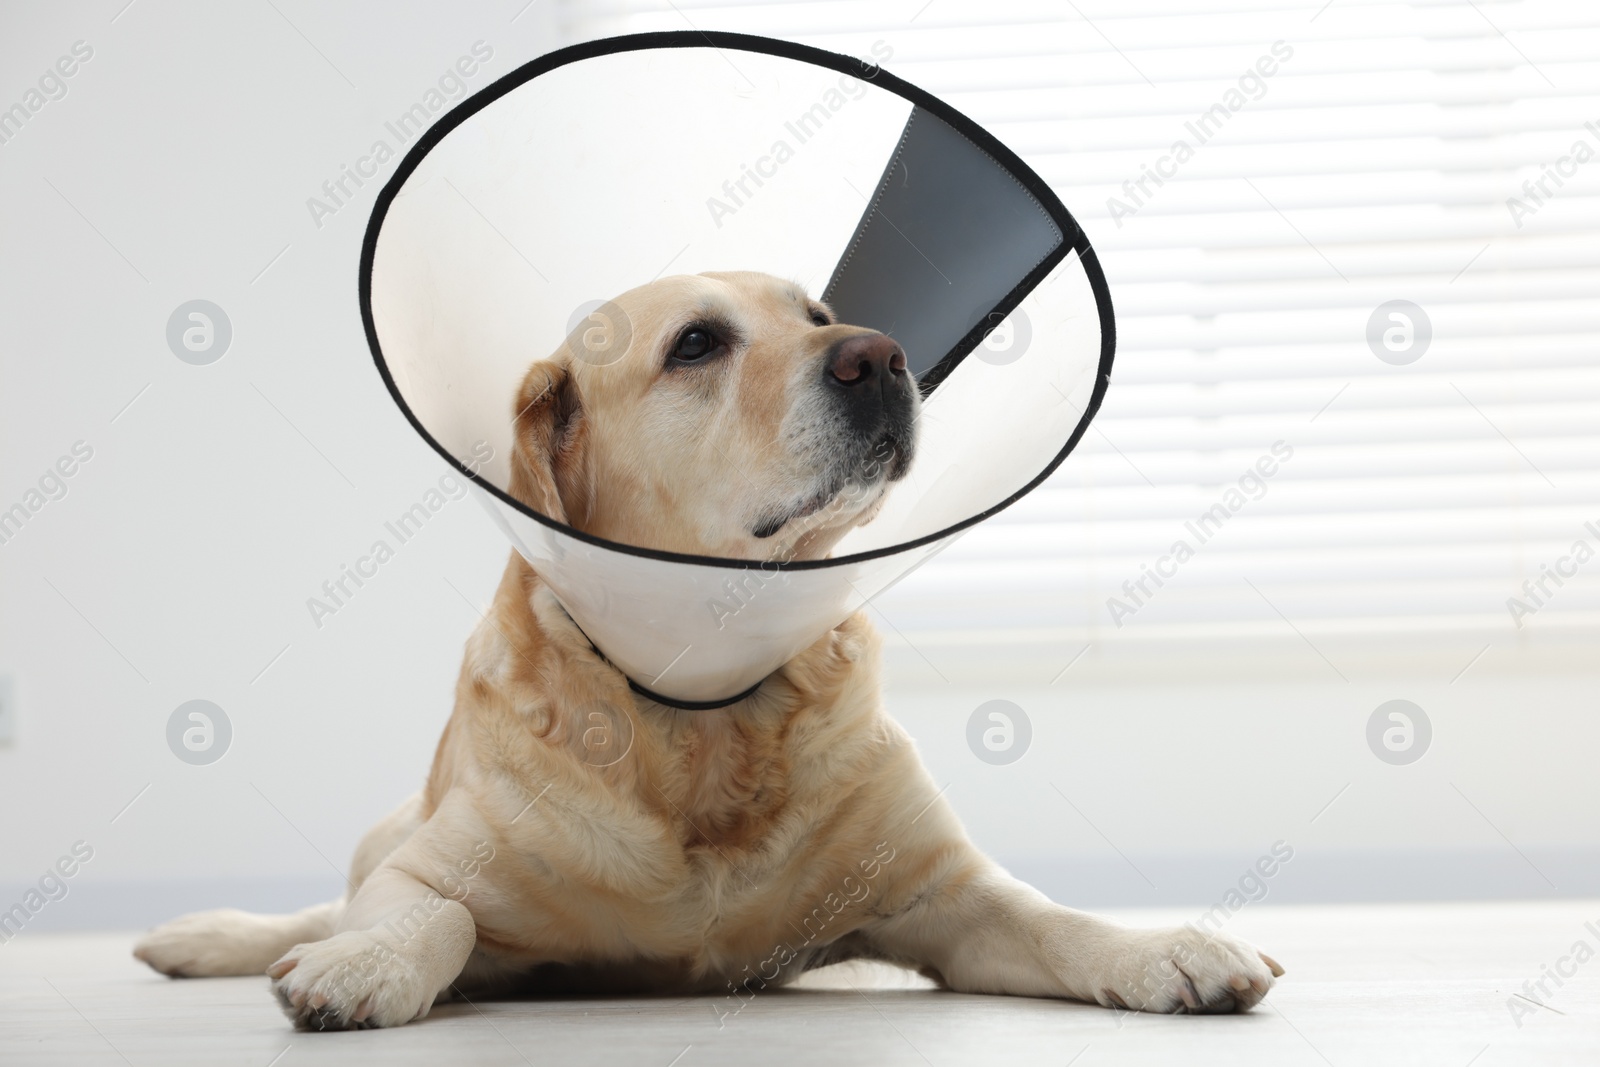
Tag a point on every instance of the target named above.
point(847, 487)
point(770, 523)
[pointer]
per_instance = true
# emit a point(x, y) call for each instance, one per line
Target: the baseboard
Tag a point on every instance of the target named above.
point(137, 904)
point(1199, 880)
point(1313, 876)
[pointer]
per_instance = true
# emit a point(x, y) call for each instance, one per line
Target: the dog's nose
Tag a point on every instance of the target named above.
point(867, 359)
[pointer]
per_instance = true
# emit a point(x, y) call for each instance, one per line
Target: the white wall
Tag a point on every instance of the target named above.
point(178, 564)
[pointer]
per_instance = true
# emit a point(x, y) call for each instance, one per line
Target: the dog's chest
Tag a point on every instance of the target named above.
point(758, 904)
point(716, 863)
point(726, 784)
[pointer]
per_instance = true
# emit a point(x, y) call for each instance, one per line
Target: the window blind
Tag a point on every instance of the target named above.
point(1262, 184)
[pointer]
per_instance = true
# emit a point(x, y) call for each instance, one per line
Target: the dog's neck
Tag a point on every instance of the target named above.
point(721, 775)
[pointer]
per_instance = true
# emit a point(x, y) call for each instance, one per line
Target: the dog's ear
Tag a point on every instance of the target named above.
point(547, 461)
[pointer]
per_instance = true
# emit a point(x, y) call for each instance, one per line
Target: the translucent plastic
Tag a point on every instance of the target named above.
point(594, 170)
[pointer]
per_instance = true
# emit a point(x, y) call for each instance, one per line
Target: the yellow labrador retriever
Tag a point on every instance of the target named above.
point(726, 850)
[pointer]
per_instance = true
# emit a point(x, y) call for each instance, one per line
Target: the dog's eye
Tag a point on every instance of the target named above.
point(695, 343)
point(819, 319)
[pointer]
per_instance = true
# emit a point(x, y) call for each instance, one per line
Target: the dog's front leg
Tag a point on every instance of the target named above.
point(401, 941)
point(982, 931)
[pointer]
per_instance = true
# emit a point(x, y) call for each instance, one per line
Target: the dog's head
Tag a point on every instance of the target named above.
point(728, 415)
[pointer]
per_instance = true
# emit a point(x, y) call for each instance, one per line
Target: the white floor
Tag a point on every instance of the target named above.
point(1413, 984)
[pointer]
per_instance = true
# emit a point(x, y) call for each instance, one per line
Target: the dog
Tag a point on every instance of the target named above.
point(724, 850)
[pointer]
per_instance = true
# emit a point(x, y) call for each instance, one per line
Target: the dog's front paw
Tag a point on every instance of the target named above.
point(351, 981)
point(1187, 970)
point(210, 944)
